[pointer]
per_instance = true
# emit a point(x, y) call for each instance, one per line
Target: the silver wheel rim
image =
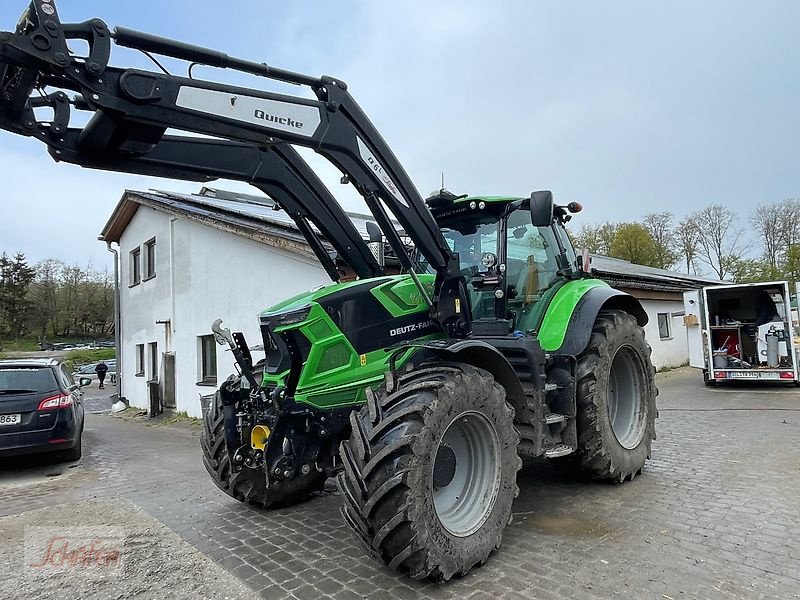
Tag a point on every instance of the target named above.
point(624, 398)
point(467, 499)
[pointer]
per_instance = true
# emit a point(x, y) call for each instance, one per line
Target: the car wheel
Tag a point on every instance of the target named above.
point(74, 453)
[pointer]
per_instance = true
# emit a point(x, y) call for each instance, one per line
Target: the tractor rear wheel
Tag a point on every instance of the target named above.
point(616, 401)
point(430, 470)
point(248, 485)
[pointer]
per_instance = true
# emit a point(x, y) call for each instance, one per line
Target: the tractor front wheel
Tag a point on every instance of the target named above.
point(430, 471)
point(616, 401)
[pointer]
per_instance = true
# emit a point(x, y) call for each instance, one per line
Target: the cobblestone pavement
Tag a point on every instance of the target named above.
point(716, 513)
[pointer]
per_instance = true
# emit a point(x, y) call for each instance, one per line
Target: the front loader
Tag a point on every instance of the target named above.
point(419, 391)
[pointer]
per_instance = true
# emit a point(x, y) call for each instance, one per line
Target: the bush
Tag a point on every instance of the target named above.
point(76, 358)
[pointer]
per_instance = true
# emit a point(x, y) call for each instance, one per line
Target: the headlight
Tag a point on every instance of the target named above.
point(296, 315)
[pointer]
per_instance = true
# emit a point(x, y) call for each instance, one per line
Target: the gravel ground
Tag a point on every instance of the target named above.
point(154, 561)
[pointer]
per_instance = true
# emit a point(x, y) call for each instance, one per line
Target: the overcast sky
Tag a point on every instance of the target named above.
point(628, 107)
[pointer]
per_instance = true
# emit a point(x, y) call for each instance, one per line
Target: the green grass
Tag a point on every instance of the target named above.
point(75, 358)
point(19, 345)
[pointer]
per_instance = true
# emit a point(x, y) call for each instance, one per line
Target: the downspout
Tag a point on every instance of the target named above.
point(117, 322)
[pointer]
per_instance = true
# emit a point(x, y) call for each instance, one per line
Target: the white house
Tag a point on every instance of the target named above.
point(186, 260)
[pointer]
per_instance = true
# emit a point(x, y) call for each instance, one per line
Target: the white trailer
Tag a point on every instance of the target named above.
point(742, 332)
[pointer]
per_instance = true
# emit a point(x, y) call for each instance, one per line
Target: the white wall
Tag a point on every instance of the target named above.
point(670, 352)
point(202, 274)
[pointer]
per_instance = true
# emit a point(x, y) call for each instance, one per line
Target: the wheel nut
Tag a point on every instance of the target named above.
point(305, 470)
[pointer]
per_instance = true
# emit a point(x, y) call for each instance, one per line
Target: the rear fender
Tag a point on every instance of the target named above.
point(584, 315)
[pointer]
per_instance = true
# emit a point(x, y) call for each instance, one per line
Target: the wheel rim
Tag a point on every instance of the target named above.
point(625, 408)
point(466, 477)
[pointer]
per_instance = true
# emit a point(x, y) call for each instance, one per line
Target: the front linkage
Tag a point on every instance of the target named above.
point(265, 430)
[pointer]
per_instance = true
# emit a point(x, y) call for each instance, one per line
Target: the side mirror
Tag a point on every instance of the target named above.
point(541, 208)
point(84, 381)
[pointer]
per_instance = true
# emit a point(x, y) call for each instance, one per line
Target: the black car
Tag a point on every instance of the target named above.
point(41, 409)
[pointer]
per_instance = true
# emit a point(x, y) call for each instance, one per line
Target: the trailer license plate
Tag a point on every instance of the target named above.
point(754, 375)
point(9, 419)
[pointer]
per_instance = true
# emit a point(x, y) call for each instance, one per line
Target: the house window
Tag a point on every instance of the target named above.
point(150, 259)
point(136, 266)
point(139, 360)
point(153, 348)
point(664, 326)
point(207, 350)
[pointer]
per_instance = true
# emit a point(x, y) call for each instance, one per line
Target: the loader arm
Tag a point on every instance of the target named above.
point(133, 108)
point(276, 170)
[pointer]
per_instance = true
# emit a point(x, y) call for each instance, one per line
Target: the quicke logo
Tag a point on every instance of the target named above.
point(288, 121)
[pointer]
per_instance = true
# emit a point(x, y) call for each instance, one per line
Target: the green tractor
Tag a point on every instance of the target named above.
point(430, 431)
point(419, 391)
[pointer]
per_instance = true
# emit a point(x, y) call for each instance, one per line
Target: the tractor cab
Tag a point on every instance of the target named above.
point(514, 255)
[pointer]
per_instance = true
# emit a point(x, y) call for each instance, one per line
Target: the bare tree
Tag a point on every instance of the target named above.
point(720, 243)
point(778, 228)
point(789, 214)
point(659, 226)
point(686, 243)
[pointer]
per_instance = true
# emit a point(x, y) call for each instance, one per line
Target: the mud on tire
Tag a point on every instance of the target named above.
point(612, 448)
point(248, 485)
point(388, 480)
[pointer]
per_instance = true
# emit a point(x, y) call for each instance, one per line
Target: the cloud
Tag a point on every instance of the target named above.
point(628, 107)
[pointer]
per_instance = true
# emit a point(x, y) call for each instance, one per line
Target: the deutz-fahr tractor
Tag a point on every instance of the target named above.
point(419, 391)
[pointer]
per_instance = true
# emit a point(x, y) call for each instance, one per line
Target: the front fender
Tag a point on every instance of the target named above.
point(478, 354)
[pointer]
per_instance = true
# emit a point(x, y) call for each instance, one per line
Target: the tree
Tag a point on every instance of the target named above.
point(596, 238)
point(778, 227)
point(634, 243)
point(767, 223)
point(43, 292)
point(15, 279)
point(720, 243)
point(659, 226)
point(792, 267)
point(686, 243)
point(749, 270)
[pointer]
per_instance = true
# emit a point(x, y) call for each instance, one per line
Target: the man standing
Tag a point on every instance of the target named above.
point(101, 369)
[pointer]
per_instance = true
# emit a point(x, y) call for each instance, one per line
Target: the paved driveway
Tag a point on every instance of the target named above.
point(716, 513)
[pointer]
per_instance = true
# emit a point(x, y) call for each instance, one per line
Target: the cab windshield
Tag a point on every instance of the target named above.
point(531, 258)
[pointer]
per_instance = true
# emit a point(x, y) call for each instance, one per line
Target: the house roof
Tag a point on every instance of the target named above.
point(259, 218)
point(255, 217)
point(622, 273)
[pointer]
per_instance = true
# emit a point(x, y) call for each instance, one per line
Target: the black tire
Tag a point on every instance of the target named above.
point(601, 454)
point(75, 452)
point(248, 485)
point(708, 381)
point(387, 481)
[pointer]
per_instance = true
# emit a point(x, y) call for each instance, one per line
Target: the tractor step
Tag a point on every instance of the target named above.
point(553, 418)
point(557, 451)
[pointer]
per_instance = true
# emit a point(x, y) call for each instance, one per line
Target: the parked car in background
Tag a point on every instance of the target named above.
point(89, 370)
point(41, 408)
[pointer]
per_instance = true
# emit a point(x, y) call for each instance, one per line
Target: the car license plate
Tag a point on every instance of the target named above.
point(10, 419)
